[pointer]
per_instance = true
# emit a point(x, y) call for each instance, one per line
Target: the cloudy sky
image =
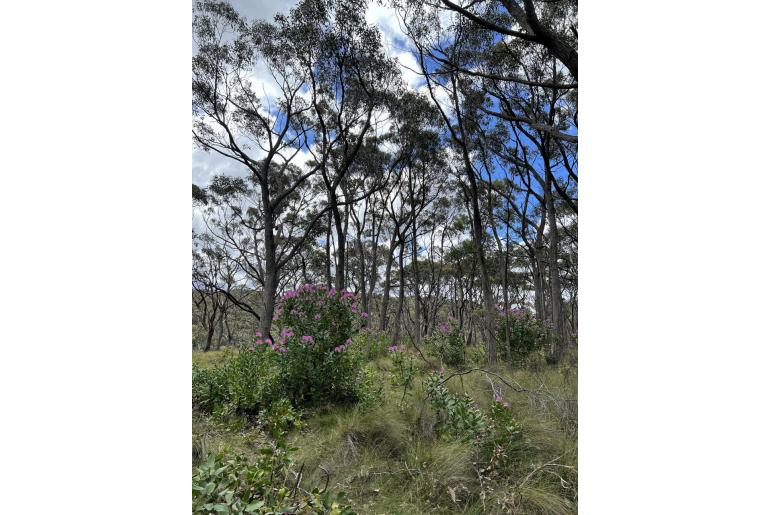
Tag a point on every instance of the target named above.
point(206, 165)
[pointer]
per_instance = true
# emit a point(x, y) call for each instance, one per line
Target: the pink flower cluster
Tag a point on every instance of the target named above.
point(396, 348)
point(445, 328)
point(500, 400)
point(269, 343)
point(341, 348)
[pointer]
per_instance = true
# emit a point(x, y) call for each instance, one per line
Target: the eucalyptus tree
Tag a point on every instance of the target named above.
point(211, 275)
point(348, 79)
point(327, 75)
point(233, 219)
point(549, 25)
point(263, 133)
point(447, 89)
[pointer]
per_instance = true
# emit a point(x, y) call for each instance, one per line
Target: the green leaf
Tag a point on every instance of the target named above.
point(254, 506)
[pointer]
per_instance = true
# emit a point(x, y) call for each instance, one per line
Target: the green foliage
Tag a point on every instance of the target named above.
point(447, 344)
point(404, 369)
point(502, 437)
point(496, 434)
point(374, 343)
point(279, 418)
point(229, 484)
point(243, 384)
point(459, 418)
point(319, 362)
point(476, 355)
point(528, 337)
point(368, 389)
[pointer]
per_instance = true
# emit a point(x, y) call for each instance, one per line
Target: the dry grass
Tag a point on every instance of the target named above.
point(390, 461)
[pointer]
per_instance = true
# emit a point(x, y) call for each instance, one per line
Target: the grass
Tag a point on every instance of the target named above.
point(209, 359)
point(389, 459)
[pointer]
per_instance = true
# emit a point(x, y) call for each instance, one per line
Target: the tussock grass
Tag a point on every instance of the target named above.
point(389, 459)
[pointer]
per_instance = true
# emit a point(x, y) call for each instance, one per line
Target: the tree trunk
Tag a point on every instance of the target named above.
point(400, 309)
point(386, 285)
point(271, 268)
point(329, 251)
point(553, 268)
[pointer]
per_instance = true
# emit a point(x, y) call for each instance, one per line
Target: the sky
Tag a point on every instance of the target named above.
point(206, 165)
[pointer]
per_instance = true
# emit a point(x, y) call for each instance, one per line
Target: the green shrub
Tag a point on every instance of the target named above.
point(374, 343)
point(501, 439)
point(496, 434)
point(404, 369)
point(318, 360)
point(528, 337)
point(209, 388)
point(279, 418)
point(447, 344)
point(459, 417)
point(476, 355)
point(243, 384)
point(369, 389)
point(229, 484)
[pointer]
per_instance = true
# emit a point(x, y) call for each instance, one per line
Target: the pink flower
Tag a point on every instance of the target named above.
point(282, 350)
point(259, 341)
point(307, 339)
point(348, 341)
point(317, 317)
point(364, 314)
point(259, 334)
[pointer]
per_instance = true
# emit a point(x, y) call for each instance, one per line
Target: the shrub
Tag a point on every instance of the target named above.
point(279, 418)
point(229, 484)
point(496, 434)
point(369, 389)
point(502, 437)
point(243, 384)
point(459, 418)
point(318, 361)
point(476, 355)
point(447, 344)
point(209, 388)
point(528, 336)
point(404, 369)
point(373, 342)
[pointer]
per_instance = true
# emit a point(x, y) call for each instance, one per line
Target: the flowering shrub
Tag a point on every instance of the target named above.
point(528, 336)
point(318, 360)
point(447, 343)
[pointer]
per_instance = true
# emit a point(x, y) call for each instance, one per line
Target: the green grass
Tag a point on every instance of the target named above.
point(209, 359)
point(389, 460)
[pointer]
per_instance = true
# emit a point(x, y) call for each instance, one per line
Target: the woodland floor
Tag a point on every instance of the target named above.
point(388, 459)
